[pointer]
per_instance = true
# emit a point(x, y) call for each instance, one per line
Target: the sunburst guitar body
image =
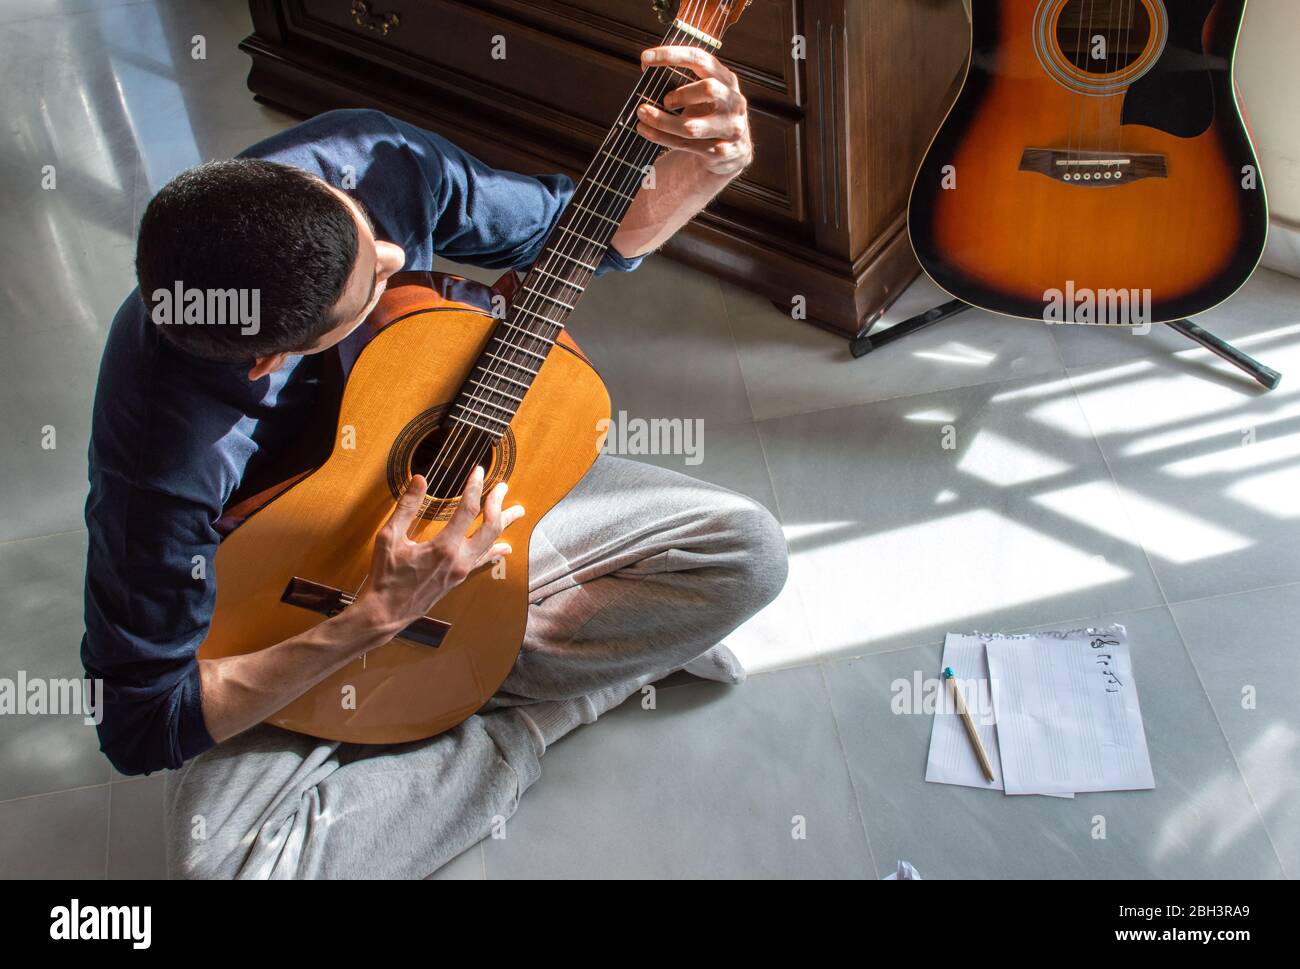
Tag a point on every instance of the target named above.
point(1095, 167)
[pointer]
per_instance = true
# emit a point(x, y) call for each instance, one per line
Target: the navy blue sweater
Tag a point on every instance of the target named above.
point(173, 437)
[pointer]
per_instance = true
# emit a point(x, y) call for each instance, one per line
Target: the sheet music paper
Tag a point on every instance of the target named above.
point(1067, 712)
point(952, 758)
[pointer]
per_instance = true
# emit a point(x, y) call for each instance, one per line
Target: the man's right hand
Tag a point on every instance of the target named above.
point(407, 578)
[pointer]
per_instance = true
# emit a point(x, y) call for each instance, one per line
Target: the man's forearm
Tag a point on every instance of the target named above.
point(682, 188)
point(241, 691)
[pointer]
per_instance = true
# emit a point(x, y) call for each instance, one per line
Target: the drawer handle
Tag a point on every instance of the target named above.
point(380, 23)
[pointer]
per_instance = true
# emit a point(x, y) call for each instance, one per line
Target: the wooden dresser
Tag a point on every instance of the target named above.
point(839, 133)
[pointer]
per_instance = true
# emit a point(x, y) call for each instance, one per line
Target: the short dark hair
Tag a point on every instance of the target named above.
point(248, 224)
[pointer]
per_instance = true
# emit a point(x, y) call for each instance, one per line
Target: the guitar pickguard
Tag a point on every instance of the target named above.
point(1177, 95)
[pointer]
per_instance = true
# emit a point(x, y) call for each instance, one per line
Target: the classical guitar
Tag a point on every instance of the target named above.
point(444, 385)
point(1095, 167)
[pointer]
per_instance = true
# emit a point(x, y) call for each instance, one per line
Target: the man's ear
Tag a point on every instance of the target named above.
point(262, 366)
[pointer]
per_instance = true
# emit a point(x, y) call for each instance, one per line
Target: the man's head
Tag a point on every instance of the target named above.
point(307, 250)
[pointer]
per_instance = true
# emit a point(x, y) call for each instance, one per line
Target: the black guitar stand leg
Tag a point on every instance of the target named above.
point(1268, 377)
point(861, 346)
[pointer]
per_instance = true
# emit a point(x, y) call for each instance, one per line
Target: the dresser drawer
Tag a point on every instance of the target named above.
point(758, 48)
point(550, 80)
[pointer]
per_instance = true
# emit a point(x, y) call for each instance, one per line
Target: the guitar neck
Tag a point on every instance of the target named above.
point(559, 276)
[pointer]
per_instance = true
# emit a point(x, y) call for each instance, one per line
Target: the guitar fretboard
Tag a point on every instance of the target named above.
point(521, 341)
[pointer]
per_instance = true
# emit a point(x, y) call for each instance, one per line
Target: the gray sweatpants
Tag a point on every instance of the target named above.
point(636, 573)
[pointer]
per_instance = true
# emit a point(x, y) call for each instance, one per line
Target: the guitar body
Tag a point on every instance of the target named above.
point(1096, 147)
point(322, 529)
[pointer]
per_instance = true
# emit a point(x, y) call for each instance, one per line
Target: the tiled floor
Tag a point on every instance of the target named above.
point(1093, 476)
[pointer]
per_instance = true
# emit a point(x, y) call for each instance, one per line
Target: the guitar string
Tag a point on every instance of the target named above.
point(579, 223)
point(531, 297)
point(1132, 23)
point(550, 255)
point(1077, 101)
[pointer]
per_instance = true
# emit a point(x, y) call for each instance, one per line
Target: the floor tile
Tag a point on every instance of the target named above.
point(47, 385)
point(1244, 650)
point(136, 847)
point(659, 338)
point(465, 867)
point(55, 836)
point(1269, 300)
point(1198, 822)
point(1207, 462)
point(40, 634)
point(791, 367)
point(897, 538)
point(710, 784)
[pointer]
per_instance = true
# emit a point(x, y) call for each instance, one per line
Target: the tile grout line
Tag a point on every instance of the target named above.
point(36, 538)
point(1214, 712)
point(62, 790)
point(1182, 640)
point(848, 768)
point(735, 346)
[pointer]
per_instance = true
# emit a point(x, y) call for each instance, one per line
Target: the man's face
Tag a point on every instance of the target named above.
point(376, 261)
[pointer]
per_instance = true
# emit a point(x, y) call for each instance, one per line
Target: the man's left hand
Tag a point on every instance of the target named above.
point(713, 118)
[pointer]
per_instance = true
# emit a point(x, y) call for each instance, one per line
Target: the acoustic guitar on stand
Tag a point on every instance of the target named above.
point(1095, 167)
point(444, 387)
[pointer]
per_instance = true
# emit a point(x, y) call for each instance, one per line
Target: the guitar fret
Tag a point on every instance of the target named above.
point(596, 214)
point(565, 228)
point(486, 417)
point(501, 376)
point(510, 363)
point(496, 390)
point(560, 279)
point(565, 255)
point(487, 403)
point(592, 181)
point(525, 310)
point(477, 427)
point(539, 356)
point(639, 169)
point(545, 296)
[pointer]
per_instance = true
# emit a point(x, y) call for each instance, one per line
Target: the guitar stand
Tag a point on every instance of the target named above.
point(864, 344)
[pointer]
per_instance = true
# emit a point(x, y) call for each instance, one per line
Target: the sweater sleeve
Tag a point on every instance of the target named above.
point(488, 217)
point(149, 594)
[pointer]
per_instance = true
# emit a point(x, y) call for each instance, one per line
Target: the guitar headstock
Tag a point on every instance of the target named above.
point(710, 17)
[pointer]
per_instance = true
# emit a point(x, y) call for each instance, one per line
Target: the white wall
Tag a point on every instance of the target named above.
point(1268, 74)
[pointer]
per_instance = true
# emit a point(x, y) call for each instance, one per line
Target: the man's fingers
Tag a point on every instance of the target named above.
point(701, 62)
point(408, 506)
point(468, 508)
point(715, 124)
point(700, 147)
point(707, 91)
point(482, 540)
point(499, 550)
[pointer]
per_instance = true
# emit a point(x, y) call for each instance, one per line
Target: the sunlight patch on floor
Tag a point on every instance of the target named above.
point(1131, 517)
point(1005, 463)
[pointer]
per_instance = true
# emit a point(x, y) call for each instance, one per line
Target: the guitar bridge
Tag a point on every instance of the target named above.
point(329, 601)
point(1093, 168)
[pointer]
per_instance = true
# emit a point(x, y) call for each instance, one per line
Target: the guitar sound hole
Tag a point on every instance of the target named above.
point(1101, 36)
point(448, 454)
